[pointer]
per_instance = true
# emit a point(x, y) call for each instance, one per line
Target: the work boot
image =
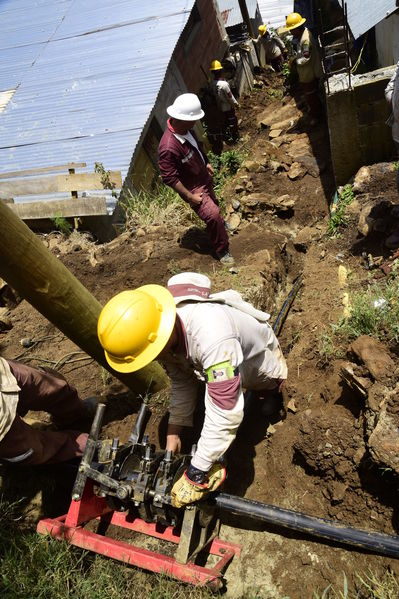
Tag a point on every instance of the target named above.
point(392, 242)
point(226, 258)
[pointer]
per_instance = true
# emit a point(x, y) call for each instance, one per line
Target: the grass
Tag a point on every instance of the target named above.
point(374, 311)
point(338, 218)
point(368, 586)
point(160, 207)
point(62, 225)
point(163, 206)
point(35, 566)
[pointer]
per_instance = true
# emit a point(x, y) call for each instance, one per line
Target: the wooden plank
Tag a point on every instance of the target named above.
point(54, 183)
point(89, 206)
point(45, 169)
point(83, 181)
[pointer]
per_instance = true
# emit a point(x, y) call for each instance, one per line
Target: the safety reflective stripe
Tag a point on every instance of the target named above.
point(19, 458)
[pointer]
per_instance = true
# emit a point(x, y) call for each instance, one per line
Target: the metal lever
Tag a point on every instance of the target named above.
point(139, 426)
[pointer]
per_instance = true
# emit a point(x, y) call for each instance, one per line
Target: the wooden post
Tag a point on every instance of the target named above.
point(74, 194)
point(32, 270)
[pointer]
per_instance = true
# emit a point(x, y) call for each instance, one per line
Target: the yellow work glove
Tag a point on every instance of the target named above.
point(185, 491)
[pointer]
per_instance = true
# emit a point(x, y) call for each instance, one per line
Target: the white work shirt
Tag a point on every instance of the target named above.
point(226, 100)
point(9, 395)
point(215, 334)
point(191, 139)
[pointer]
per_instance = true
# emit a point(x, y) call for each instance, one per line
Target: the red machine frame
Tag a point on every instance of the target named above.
point(70, 527)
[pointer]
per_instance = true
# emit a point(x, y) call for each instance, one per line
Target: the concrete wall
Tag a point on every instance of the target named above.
point(387, 40)
point(356, 121)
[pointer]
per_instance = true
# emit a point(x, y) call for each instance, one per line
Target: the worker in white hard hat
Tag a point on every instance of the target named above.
point(217, 339)
point(308, 63)
point(226, 101)
point(185, 167)
point(273, 48)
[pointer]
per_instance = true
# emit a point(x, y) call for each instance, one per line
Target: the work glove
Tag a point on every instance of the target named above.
point(186, 491)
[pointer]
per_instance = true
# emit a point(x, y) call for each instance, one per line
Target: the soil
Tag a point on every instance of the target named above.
point(313, 456)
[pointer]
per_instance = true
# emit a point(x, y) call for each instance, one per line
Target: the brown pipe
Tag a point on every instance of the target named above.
point(38, 276)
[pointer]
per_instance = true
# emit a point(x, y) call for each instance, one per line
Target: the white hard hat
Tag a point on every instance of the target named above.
point(186, 107)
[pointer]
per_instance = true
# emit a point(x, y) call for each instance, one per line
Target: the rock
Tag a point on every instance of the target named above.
point(304, 239)
point(251, 166)
point(313, 167)
point(365, 174)
point(337, 491)
point(297, 171)
point(233, 222)
point(26, 342)
point(383, 442)
point(266, 202)
point(374, 356)
point(285, 202)
point(239, 188)
point(140, 232)
point(342, 275)
point(291, 407)
point(5, 319)
point(275, 166)
point(357, 383)
point(235, 204)
point(275, 133)
point(366, 223)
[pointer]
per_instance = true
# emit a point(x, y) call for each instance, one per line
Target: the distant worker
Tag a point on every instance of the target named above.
point(185, 167)
point(308, 63)
point(217, 339)
point(273, 47)
point(226, 101)
point(392, 97)
point(24, 388)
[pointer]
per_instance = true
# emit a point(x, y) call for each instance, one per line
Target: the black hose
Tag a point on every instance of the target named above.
point(287, 305)
point(320, 527)
point(140, 424)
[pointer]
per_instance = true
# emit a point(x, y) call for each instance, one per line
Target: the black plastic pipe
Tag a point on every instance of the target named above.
point(286, 306)
point(320, 527)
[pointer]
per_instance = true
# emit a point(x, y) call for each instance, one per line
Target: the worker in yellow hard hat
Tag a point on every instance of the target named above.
point(226, 102)
point(199, 337)
point(308, 63)
point(271, 48)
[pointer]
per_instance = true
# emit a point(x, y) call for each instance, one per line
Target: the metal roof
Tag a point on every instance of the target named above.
point(274, 12)
point(231, 12)
point(364, 14)
point(87, 73)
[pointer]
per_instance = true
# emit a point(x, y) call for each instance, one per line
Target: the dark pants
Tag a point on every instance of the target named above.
point(277, 63)
point(311, 92)
point(47, 392)
point(231, 134)
point(397, 172)
point(209, 212)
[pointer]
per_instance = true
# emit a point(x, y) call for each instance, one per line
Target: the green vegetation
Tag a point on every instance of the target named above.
point(338, 218)
point(368, 586)
point(105, 177)
point(38, 566)
point(162, 206)
point(373, 311)
point(62, 225)
point(225, 166)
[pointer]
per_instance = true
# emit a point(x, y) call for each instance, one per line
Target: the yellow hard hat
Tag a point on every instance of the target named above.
point(216, 66)
point(262, 29)
point(293, 21)
point(134, 326)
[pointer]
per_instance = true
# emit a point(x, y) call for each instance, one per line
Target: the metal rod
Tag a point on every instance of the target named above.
point(139, 426)
point(88, 454)
point(320, 527)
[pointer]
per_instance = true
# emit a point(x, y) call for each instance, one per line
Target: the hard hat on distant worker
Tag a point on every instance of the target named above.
point(262, 29)
point(293, 21)
point(216, 66)
point(134, 326)
point(186, 107)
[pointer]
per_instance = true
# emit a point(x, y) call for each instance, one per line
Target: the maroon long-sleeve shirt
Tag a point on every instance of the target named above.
point(182, 162)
